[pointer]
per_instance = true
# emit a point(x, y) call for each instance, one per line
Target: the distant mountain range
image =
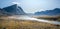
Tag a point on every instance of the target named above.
point(55, 11)
point(12, 10)
point(17, 10)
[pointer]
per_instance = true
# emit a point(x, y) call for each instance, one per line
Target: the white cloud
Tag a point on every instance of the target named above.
point(16, 3)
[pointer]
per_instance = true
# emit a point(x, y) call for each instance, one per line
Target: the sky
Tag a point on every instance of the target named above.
point(32, 6)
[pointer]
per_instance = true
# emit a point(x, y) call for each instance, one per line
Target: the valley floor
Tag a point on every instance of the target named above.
point(25, 24)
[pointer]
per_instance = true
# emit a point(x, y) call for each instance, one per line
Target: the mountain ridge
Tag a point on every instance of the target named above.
point(13, 10)
point(53, 12)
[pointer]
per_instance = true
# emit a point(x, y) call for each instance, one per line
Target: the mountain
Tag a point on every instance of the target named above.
point(14, 10)
point(2, 12)
point(55, 11)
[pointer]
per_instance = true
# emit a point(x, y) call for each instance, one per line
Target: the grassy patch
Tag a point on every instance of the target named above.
point(25, 24)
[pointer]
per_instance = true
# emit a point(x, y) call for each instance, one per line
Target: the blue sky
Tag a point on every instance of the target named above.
point(31, 6)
